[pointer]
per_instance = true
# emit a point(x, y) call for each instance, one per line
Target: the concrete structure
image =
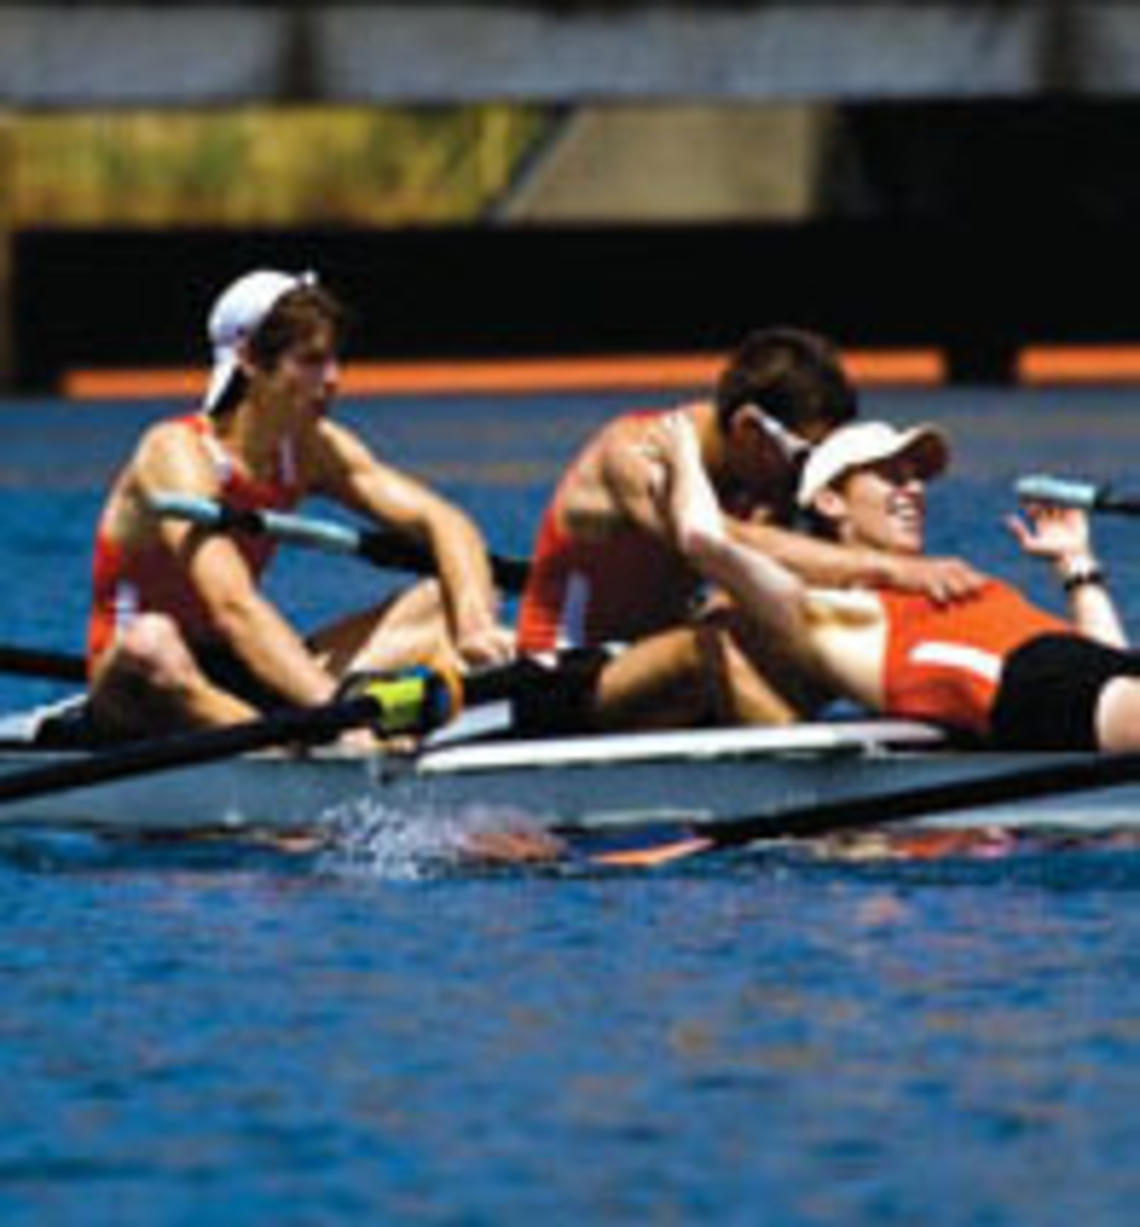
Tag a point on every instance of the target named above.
point(54, 54)
point(649, 164)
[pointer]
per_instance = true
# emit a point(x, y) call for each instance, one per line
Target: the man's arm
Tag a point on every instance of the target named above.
point(250, 625)
point(350, 474)
point(639, 472)
point(771, 594)
point(631, 477)
point(830, 565)
point(640, 463)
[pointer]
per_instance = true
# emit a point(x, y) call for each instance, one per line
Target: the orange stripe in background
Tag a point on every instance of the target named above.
point(1079, 364)
point(598, 374)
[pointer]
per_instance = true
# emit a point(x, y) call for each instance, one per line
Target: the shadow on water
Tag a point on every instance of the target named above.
point(369, 843)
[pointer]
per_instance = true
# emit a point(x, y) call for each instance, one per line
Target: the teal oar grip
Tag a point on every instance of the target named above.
point(203, 511)
point(382, 547)
point(1061, 492)
point(283, 526)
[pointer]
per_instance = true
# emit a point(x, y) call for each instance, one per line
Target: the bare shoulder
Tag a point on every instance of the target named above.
point(629, 449)
point(338, 440)
point(606, 472)
point(166, 437)
point(852, 606)
point(171, 455)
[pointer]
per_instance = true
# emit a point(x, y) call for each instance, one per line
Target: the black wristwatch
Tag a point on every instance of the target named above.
point(1082, 570)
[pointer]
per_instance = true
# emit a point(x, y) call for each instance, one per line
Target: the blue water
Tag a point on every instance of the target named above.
point(771, 1038)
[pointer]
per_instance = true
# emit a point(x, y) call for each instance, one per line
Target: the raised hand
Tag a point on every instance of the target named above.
point(1052, 532)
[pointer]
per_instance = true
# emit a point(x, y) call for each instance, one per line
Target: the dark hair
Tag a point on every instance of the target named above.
point(794, 375)
point(818, 525)
point(295, 315)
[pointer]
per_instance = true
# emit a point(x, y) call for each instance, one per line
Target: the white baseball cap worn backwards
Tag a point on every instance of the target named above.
point(237, 313)
point(865, 443)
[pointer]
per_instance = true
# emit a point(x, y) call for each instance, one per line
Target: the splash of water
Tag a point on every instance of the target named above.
point(377, 839)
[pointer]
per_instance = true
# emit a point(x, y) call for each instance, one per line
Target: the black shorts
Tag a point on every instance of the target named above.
point(1049, 691)
point(224, 669)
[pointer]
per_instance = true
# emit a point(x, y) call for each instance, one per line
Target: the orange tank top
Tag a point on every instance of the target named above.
point(944, 662)
point(127, 581)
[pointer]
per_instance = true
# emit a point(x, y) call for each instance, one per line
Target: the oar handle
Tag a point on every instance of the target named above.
point(1061, 492)
point(408, 701)
point(382, 548)
point(1070, 492)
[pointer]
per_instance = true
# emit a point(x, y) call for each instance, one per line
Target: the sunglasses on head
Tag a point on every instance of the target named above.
point(794, 447)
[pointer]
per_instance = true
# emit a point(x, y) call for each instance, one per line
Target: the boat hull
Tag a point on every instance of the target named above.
point(582, 783)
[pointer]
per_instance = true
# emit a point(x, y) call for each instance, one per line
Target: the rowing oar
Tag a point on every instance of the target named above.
point(380, 547)
point(413, 701)
point(383, 548)
point(1066, 492)
point(39, 662)
point(1054, 776)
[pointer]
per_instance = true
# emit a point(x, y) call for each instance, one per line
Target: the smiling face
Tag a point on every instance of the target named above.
point(880, 506)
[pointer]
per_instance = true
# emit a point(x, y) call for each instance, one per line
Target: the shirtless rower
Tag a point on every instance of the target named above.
point(610, 565)
point(180, 634)
point(993, 666)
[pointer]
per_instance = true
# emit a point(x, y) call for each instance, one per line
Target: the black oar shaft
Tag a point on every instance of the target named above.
point(1079, 773)
point(307, 725)
point(408, 701)
point(35, 662)
point(387, 549)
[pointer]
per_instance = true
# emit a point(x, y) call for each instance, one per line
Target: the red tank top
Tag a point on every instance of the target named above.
point(129, 581)
point(582, 592)
point(944, 662)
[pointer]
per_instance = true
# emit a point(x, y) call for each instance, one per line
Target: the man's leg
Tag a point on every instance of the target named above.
point(1118, 715)
point(408, 629)
point(658, 682)
point(755, 682)
point(150, 684)
point(714, 671)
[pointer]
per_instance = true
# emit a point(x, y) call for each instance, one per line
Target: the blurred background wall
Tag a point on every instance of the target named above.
point(570, 176)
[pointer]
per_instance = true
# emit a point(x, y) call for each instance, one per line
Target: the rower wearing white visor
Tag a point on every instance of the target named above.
point(993, 666)
point(180, 633)
point(610, 563)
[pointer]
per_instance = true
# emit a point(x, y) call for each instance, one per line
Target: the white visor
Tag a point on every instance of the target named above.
point(237, 313)
point(866, 443)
